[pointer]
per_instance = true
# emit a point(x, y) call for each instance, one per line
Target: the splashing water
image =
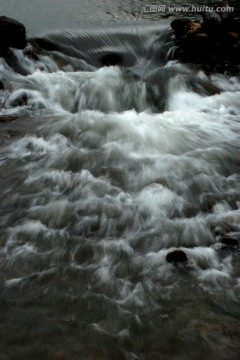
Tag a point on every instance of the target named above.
point(98, 187)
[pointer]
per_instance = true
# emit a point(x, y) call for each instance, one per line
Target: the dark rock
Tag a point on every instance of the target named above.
point(232, 25)
point(206, 88)
point(183, 27)
point(224, 229)
point(225, 14)
point(111, 59)
point(198, 48)
point(42, 46)
point(176, 256)
point(229, 43)
point(189, 39)
point(7, 118)
point(157, 87)
point(12, 34)
point(1, 85)
point(213, 41)
point(208, 201)
point(236, 55)
point(227, 69)
point(31, 52)
point(26, 98)
point(212, 16)
point(212, 22)
point(229, 241)
point(21, 99)
point(180, 26)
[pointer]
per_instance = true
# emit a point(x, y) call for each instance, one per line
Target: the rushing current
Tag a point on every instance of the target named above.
point(103, 172)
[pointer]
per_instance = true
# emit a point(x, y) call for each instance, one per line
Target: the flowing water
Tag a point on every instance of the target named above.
point(106, 170)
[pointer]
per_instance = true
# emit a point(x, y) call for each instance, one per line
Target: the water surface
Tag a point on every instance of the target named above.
point(105, 171)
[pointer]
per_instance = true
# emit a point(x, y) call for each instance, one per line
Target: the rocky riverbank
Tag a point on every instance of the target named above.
point(213, 43)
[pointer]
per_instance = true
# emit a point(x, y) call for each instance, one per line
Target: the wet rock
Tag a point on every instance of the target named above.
point(197, 48)
point(157, 87)
point(229, 241)
point(111, 59)
point(31, 52)
point(21, 98)
point(12, 34)
point(213, 41)
point(7, 118)
point(176, 256)
point(224, 229)
point(208, 201)
point(202, 87)
point(212, 24)
point(180, 26)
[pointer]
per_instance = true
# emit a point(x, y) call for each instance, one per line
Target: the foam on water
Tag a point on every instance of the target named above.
point(107, 188)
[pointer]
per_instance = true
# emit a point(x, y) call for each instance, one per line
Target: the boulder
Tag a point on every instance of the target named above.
point(12, 34)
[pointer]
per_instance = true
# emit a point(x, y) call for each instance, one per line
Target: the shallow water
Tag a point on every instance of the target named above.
point(43, 16)
point(99, 181)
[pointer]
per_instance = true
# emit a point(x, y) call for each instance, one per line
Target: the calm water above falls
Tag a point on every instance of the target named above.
point(98, 184)
point(40, 16)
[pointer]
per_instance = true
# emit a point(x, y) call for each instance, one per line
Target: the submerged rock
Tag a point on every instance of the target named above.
point(176, 256)
point(12, 61)
point(12, 34)
point(157, 85)
point(7, 118)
